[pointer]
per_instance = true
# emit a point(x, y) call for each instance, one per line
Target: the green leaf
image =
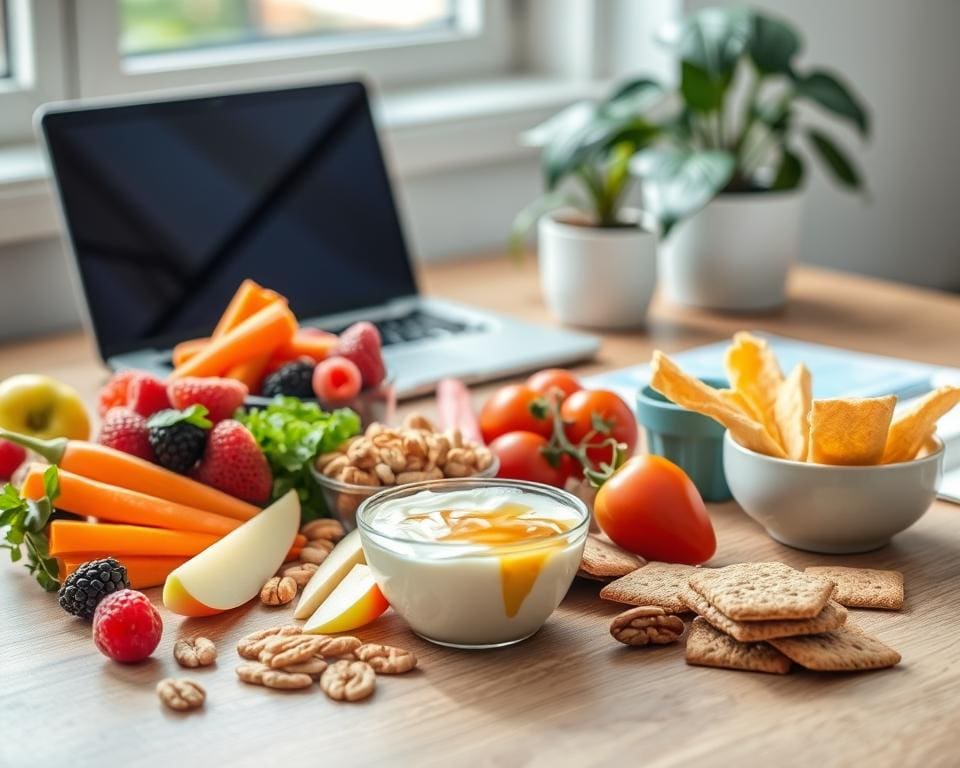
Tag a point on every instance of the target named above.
point(51, 482)
point(831, 93)
point(702, 92)
point(790, 173)
point(676, 183)
point(835, 159)
point(195, 415)
point(633, 98)
point(713, 40)
point(772, 45)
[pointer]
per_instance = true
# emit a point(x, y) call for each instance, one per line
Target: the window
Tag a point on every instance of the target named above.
point(4, 58)
point(140, 45)
point(156, 26)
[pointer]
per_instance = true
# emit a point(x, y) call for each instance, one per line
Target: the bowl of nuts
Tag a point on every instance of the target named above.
point(385, 457)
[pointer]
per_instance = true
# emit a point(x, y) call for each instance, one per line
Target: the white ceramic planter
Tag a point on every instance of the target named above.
point(735, 254)
point(597, 277)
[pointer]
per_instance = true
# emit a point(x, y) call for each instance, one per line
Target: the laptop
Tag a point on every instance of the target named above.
point(169, 204)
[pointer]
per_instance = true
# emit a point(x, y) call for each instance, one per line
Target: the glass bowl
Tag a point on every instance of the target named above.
point(476, 590)
point(343, 499)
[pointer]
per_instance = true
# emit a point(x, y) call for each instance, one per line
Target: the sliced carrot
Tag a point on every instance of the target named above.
point(259, 334)
point(249, 299)
point(118, 540)
point(187, 349)
point(142, 570)
point(250, 372)
point(84, 496)
point(307, 342)
point(108, 465)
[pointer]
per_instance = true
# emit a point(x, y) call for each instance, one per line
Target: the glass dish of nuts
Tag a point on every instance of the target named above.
point(384, 457)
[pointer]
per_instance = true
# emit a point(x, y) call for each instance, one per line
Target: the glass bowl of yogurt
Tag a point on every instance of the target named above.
point(473, 562)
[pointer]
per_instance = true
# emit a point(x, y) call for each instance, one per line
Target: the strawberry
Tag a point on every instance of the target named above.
point(11, 457)
point(360, 344)
point(147, 394)
point(234, 464)
point(127, 431)
point(221, 397)
point(114, 392)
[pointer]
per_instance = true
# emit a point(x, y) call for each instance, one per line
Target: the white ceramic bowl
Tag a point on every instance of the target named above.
point(831, 509)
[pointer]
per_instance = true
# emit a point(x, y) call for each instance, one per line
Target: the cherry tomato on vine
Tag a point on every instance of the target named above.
point(652, 508)
point(552, 380)
point(583, 409)
point(521, 458)
point(508, 410)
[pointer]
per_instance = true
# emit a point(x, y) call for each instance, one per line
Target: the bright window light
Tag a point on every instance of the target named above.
point(162, 26)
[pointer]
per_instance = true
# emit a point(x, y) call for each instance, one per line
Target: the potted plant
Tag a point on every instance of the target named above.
point(597, 256)
point(730, 158)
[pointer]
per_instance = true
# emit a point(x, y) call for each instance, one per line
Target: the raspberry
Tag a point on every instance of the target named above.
point(11, 457)
point(360, 343)
point(126, 626)
point(126, 431)
point(234, 463)
point(147, 394)
point(114, 392)
point(221, 397)
point(336, 381)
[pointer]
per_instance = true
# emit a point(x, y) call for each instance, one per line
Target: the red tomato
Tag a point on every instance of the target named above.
point(509, 411)
point(552, 380)
point(578, 412)
point(521, 458)
point(652, 508)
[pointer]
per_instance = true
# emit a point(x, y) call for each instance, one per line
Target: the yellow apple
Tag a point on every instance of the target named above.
point(40, 406)
point(330, 573)
point(231, 571)
point(356, 601)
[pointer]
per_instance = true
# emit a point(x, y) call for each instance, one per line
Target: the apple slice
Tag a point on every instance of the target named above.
point(231, 571)
point(330, 573)
point(356, 601)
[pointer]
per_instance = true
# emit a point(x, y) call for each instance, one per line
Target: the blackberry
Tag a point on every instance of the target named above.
point(292, 380)
point(179, 437)
point(83, 589)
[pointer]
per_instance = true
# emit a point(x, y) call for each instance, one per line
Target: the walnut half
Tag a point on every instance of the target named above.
point(646, 625)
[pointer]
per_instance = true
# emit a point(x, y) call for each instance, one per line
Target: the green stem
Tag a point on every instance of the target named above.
point(51, 450)
point(749, 117)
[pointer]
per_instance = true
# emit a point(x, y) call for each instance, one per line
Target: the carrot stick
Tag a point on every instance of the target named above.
point(108, 465)
point(313, 343)
point(187, 349)
point(249, 299)
point(68, 536)
point(259, 334)
point(250, 372)
point(83, 496)
point(142, 570)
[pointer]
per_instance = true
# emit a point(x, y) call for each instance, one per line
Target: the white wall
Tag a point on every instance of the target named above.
point(904, 59)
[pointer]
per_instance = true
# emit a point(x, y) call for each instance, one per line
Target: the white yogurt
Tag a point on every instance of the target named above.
point(478, 565)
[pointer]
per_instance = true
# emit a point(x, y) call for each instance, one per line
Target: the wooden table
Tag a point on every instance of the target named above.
point(568, 696)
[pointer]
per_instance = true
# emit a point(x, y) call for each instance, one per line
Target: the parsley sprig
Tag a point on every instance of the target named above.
point(23, 524)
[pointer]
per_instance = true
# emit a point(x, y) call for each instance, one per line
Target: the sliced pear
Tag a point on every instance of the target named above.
point(356, 601)
point(230, 572)
point(331, 572)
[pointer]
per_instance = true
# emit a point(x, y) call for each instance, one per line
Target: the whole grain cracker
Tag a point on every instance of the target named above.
point(844, 650)
point(707, 646)
point(831, 617)
point(658, 584)
point(603, 559)
point(863, 587)
point(762, 591)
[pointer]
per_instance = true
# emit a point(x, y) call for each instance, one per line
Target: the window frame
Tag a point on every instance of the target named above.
point(481, 46)
point(37, 56)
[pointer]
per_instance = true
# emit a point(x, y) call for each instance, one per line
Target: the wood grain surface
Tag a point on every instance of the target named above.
point(568, 696)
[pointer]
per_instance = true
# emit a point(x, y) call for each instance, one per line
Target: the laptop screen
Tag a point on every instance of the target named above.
point(171, 205)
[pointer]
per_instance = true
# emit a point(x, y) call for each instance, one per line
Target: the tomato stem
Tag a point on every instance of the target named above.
point(560, 444)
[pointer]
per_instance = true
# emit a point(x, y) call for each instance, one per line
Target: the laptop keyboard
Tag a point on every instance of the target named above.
point(417, 325)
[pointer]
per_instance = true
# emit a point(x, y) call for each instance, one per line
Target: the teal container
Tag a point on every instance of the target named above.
point(692, 441)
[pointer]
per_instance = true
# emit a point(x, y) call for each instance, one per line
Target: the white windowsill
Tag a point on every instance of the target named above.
point(428, 130)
